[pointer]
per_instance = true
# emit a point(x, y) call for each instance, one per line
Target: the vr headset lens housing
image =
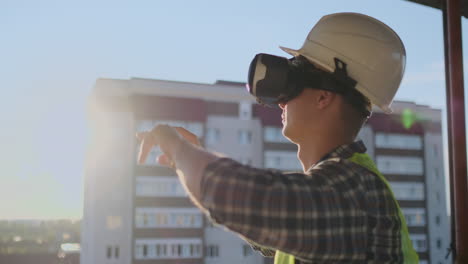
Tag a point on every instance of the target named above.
point(268, 79)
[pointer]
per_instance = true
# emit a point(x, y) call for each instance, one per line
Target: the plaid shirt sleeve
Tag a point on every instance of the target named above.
point(312, 216)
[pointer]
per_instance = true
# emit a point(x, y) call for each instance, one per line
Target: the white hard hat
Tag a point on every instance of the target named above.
point(373, 52)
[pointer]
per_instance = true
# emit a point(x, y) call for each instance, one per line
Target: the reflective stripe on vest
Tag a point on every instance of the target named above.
point(409, 254)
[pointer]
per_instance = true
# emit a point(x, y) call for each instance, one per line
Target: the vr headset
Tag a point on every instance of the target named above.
point(273, 80)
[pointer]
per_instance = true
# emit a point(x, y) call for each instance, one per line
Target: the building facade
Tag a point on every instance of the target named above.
point(141, 214)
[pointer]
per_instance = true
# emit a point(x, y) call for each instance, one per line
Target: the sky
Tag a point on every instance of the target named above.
point(52, 52)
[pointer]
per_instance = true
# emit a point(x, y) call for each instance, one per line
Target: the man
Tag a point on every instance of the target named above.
point(340, 209)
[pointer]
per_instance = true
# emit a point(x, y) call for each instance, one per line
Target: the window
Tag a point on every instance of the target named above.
point(400, 165)
point(117, 252)
point(277, 161)
point(246, 250)
point(161, 250)
point(419, 242)
point(186, 250)
point(436, 173)
point(151, 251)
point(138, 251)
point(197, 250)
point(168, 217)
point(179, 250)
point(158, 250)
point(437, 220)
point(213, 135)
point(439, 243)
point(109, 252)
point(176, 248)
point(244, 137)
point(274, 134)
point(414, 216)
point(245, 110)
point(212, 251)
point(413, 191)
point(282, 160)
point(159, 186)
point(398, 141)
point(113, 222)
point(145, 219)
point(192, 249)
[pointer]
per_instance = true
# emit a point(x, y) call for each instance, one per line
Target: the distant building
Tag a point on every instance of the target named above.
point(69, 253)
point(140, 214)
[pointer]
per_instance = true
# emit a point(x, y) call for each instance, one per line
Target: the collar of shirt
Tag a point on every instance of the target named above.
point(344, 151)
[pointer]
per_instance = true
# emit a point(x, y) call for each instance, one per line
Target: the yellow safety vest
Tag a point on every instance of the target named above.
point(409, 254)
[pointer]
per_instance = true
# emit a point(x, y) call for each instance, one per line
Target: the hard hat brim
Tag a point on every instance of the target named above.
point(292, 52)
point(299, 52)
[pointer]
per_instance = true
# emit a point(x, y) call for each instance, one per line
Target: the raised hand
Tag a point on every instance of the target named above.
point(168, 139)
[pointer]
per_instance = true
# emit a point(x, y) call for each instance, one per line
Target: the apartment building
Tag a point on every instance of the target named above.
point(141, 214)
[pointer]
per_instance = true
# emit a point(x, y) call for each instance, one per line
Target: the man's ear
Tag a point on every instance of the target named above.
point(324, 99)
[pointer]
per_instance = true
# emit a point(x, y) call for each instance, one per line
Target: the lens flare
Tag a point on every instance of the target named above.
point(408, 118)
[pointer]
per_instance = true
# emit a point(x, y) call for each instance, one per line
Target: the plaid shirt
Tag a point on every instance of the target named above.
point(336, 212)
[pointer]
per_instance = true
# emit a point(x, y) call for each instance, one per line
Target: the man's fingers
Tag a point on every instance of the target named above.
point(165, 135)
point(189, 136)
point(144, 151)
point(184, 132)
point(140, 136)
point(147, 143)
point(164, 160)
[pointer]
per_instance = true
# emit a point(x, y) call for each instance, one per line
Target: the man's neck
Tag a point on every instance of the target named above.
point(311, 151)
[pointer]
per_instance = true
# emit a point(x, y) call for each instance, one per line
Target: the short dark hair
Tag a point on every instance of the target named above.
point(360, 102)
